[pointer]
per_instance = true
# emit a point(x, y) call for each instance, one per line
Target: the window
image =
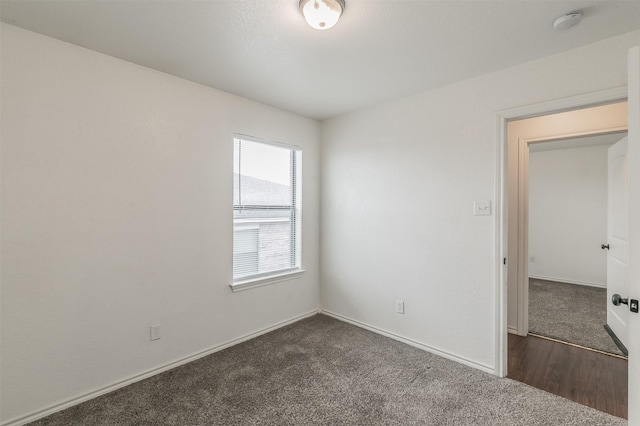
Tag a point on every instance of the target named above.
point(266, 210)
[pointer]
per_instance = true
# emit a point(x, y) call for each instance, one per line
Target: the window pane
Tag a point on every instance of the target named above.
point(262, 174)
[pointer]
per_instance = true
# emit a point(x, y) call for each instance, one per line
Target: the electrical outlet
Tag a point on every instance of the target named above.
point(154, 332)
point(482, 208)
point(400, 306)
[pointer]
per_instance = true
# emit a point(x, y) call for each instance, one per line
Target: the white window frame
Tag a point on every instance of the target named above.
point(273, 277)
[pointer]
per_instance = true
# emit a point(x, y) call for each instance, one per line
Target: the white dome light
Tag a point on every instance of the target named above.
point(322, 14)
point(567, 21)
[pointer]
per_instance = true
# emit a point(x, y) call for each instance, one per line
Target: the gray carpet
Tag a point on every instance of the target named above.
point(570, 313)
point(323, 371)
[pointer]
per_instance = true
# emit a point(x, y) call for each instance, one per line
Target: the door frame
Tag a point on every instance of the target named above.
point(501, 246)
point(523, 215)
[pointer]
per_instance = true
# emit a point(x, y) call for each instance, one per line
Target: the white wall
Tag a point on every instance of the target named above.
point(568, 215)
point(117, 214)
point(398, 185)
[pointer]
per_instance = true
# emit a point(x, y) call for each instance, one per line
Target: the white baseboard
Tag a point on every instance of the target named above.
point(568, 281)
point(462, 360)
point(27, 418)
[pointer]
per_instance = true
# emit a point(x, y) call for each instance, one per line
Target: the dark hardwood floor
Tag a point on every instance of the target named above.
point(589, 378)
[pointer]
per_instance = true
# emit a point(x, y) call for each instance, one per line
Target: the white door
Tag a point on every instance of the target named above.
point(618, 238)
point(633, 285)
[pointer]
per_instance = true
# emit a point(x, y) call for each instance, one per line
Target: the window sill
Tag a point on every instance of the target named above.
point(259, 282)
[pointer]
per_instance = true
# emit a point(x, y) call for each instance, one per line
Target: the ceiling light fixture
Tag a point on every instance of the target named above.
point(322, 14)
point(568, 20)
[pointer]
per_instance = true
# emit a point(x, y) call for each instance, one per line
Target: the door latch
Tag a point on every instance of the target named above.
point(633, 305)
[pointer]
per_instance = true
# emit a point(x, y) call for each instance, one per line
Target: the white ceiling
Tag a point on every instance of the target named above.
point(577, 142)
point(380, 50)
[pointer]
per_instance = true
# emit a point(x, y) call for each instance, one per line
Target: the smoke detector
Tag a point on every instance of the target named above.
point(567, 21)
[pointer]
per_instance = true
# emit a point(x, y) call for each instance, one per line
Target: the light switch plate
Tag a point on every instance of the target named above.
point(482, 208)
point(154, 332)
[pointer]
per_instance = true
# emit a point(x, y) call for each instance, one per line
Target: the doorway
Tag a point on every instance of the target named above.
point(567, 239)
point(586, 121)
point(568, 371)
